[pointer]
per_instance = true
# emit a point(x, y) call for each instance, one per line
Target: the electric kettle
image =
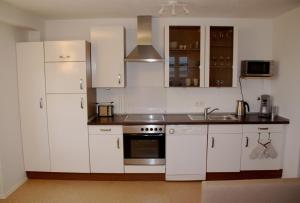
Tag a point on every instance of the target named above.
point(241, 107)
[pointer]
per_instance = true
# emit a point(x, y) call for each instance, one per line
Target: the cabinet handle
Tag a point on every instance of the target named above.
point(81, 84)
point(81, 103)
point(247, 142)
point(119, 79)
point(105, 130)
point(212, 142)
point(61, 57)
point(68, 56)
point(118, 143)
point(263, 128)
point(41, 103)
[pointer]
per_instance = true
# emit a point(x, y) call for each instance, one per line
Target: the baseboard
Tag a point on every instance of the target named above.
point(13, 188)
point(97, 176)
point(242, 175)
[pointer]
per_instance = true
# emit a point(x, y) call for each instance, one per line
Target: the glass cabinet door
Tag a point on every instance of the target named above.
point(221, 56)
point(184, 56)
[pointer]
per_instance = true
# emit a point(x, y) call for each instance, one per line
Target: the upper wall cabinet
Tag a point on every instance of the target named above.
point(57, 51)
point(184, 53)
point(221, 56)
point(200, 56)
point(108, 56)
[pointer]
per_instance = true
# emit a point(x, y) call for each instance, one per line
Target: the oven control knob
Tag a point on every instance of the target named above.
point(160, 129)
point(146, 129)
point(142, 129)
point(155, 129)
point(151, 129)
point(171, 131)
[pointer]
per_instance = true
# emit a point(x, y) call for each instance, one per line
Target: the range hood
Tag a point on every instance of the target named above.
point(144, 51)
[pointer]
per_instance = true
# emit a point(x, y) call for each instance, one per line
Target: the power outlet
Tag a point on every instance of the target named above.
point(199, 104)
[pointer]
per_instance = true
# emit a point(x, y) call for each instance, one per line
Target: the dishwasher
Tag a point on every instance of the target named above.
point(186, 147)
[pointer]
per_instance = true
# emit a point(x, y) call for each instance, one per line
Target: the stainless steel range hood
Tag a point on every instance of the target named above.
point(144, 51)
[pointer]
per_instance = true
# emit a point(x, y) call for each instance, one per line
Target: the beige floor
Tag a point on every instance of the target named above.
point(57, 191)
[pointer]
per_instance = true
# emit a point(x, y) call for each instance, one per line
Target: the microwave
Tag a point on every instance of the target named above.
point(257, 68)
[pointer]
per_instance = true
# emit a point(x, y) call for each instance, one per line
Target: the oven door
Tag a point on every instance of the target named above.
point(144, 149)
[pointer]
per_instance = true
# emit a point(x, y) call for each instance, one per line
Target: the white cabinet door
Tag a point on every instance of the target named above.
point(32, 100)
point(250, 142)
point(56, 51)
point(68, 132)
point(186, 152)
point(108, 56)
point(106, 153)
point(68, 77)
point(224, 152)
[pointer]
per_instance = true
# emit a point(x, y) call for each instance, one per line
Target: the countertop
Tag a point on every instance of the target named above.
point(176, 119)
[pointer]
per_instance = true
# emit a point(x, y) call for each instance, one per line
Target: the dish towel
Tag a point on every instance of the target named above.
point(262, 151)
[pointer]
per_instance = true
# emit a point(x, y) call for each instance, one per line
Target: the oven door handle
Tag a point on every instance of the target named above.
point(144, 135)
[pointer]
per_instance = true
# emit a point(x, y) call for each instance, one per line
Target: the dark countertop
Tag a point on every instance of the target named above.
point(177, 119)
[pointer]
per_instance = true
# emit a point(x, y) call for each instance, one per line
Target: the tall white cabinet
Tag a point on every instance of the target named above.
point(33, 106)
point(66, 88)
point(55, 84)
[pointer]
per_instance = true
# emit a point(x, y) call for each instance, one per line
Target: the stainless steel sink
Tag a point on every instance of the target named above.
point(196, 117)
point(217, 117)
point(222, 117)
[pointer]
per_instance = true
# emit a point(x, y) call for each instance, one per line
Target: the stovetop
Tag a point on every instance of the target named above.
point(144, 118)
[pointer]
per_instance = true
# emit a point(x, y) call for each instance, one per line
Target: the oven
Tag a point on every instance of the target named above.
point(144, 145)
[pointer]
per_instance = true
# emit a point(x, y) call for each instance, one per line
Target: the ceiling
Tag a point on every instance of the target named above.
point(68, 9)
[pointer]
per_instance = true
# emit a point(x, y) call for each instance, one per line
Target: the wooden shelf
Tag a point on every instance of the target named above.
point(257, 77)
point(184, 49)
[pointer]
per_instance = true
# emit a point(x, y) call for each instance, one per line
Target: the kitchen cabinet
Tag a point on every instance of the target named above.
point(106, 149)
point(224, 148)
point(184, 56)
point(186, 147)
point(254, 154)
point(33, 105)
point(108, 56)
point(60, 51)
point(68, 132)
point(200, 56)
point(221, 56)
point(68, 77)
point(71, 101)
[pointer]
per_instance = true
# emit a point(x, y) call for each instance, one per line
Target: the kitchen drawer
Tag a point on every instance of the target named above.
point(221, 129)
point(105, 130)
point(186, 129)
point(263, 128)
point(56, 51)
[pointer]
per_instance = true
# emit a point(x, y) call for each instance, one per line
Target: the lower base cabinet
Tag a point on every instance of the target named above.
point(68, 133)
point(224, 148)
point(262, 148)
point(106, 149)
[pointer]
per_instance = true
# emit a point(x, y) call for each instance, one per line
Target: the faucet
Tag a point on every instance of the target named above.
point(207, 112)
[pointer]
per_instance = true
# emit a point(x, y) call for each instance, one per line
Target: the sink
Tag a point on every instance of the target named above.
point(222, 117)
point(217, 117)
point(196, 117)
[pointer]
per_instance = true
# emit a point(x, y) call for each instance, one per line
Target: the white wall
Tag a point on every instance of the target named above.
point(286, 49)
point(145, 92)
point(16, 17)
point(11, 157)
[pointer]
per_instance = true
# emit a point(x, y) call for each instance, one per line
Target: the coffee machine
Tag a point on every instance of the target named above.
point(265, 106)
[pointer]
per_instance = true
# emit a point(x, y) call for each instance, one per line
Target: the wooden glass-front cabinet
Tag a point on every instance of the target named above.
point(184, 56)
point(220, 56)
point(199, 56)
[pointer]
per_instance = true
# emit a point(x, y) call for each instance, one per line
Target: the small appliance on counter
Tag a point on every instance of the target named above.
point(105, 109)
point(265, 106)
point(242, 107)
